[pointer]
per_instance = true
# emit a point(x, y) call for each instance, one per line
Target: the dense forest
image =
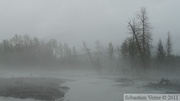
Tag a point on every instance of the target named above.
point(135, 55)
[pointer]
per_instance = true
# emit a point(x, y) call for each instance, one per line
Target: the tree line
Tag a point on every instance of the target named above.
point(137, 50)
point(135, 55)
point(24, 50)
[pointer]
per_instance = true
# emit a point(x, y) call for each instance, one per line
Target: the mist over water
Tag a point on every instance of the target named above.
point(88, 50)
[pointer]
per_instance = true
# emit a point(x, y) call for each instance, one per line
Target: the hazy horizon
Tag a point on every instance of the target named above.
point(73, 21)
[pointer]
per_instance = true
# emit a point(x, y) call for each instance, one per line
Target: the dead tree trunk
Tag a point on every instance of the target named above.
point(133, 28)
point(89, 54)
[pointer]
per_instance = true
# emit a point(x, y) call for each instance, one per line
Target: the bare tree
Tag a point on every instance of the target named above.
point(141, 30)
point(145, 28)
point(111, 56)
point(146, 35)
point(98, 55)
point(134, 31)
point(85, 48)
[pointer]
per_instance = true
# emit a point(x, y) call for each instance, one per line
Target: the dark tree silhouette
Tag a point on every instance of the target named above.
point(169, 48)
point(160, 52)
point(141, 31)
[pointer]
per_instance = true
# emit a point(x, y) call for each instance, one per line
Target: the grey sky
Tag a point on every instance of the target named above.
point(71, 21)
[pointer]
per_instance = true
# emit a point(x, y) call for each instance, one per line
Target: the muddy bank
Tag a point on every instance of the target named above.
point(47, 89)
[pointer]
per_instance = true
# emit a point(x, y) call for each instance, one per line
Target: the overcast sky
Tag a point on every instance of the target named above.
point(72, 21)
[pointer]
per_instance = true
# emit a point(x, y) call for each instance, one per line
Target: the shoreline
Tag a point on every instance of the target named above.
point(47, 89)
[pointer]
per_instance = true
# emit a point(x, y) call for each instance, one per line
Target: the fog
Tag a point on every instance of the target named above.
point(81, 50)
point(72, 21)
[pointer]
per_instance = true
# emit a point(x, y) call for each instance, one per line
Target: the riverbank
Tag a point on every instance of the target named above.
point(47, 89)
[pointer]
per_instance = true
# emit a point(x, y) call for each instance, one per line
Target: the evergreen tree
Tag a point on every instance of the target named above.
point(160, 52)
point(169, 48)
